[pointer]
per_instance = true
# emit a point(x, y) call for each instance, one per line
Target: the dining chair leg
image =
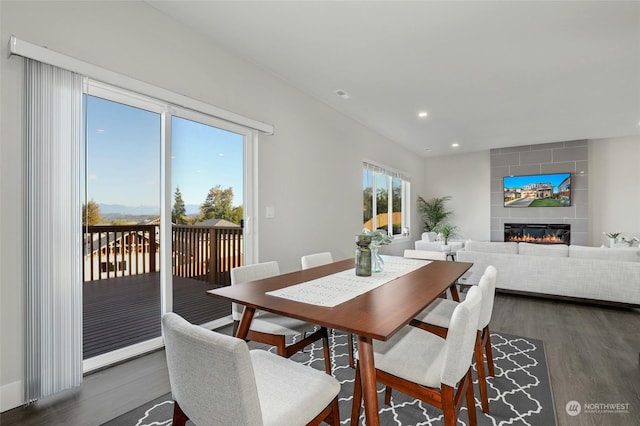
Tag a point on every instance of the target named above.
point(449, 405)
point(327, 357)
point(357, 397)
point(335, 413)
point(471, 402)
point(482, 378)
point(179, 417)
point(387, 395)
point(486, 335)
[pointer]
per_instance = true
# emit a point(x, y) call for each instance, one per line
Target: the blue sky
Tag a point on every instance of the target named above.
point(520, 181)
point(123, 155)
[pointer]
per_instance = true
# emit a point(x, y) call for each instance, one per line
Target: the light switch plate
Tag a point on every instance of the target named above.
point(270, 212)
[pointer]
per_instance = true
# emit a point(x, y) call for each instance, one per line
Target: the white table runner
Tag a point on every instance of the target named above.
point(337, 288)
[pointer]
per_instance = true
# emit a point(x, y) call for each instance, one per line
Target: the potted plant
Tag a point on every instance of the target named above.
point(613, 238)
point(433, 211)
point(446, 231)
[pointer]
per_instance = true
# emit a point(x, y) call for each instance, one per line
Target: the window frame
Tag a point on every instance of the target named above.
point(166, 110)
point(390, 174)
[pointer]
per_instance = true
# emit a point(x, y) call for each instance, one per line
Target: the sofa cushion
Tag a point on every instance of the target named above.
point(604, 253)
point(429, 236)
point(492, 247)
point(554, 250)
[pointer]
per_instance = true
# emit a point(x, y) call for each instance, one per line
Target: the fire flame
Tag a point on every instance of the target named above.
point(528, 238)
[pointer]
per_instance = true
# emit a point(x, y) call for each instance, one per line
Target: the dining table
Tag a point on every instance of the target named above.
point(376, 312)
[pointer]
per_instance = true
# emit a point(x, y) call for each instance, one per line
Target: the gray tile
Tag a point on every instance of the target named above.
point(553, 213)
point(551, 145)
point(580, 142)
point(564, 167)
point(510, 149)
point(582, 166)
point(579, 182)
point(535, 157)
point(497, 185)
point(577, 153)
point(505, 159)
point(579, 238)
point(497, 198)
point(579, 196)
point(529, 213)
point(497, 235)
point(579, 225)
point(499, 172)
point(582, 211)
point(530, 169)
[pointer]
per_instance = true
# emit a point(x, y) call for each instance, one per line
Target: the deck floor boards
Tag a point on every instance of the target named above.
point(119, 312)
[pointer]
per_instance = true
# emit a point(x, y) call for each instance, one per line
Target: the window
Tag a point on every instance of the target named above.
point(386, 195)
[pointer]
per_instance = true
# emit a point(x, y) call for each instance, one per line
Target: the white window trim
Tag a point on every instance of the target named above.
point(390, 172)
point(29, 50)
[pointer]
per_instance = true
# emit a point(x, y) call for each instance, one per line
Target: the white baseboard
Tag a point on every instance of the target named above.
point(11, 395)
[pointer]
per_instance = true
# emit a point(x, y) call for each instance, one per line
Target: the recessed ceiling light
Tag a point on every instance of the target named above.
point(455, 144)
point(423, 114)
point(427, 149)
point(342, 93)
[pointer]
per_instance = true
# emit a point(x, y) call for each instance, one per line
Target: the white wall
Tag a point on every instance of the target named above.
point(614, 184)
point(466, 178)
point(309, 171)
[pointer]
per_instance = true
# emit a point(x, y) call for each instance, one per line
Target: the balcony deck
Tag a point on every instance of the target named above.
point(119, 312)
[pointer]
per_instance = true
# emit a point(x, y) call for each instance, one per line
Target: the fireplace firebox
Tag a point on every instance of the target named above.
point(538, 233)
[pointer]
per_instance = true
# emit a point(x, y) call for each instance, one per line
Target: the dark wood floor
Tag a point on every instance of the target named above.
point(593, 356)
point(119, 312)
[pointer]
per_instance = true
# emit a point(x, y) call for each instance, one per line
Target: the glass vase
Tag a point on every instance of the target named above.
point(377, 264)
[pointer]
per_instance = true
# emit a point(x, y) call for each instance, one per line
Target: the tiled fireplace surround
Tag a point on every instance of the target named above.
point(558, 157)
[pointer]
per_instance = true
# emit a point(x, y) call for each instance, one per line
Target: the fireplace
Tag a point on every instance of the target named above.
point(537, 233)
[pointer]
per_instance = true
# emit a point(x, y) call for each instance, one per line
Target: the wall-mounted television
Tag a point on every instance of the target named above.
point(549, 190)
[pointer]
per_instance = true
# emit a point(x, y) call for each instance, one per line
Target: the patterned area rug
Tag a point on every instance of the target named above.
point(519, 394)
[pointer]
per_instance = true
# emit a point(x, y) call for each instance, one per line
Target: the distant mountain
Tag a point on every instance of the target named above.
point(106, 209)
point(110, 209)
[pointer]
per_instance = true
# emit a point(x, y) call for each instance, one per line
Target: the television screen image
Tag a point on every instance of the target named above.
point(550, 190)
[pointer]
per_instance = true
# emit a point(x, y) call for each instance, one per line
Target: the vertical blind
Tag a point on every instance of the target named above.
point(53, 233)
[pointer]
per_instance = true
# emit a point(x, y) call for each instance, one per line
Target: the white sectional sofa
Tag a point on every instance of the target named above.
point(430, 242)
point(592, 274)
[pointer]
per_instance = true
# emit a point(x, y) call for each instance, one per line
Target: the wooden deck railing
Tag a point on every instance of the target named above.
point(206, 253)
point(202, 253)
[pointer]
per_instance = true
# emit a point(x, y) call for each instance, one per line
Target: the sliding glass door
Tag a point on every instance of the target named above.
point(167, 195)
point(121, 222)
point(207, 183)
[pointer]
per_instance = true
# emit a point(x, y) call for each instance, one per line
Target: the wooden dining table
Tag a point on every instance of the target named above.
point(375, 315)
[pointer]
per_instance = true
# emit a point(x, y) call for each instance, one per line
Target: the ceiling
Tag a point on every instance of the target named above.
point(489, 74)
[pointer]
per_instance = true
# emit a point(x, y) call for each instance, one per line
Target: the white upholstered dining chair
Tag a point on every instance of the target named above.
point(436, 318)
point(316, 259)
point(433, 255)
point(216, 380)
point(425, 254)
point(273, 329)
point(428, 367)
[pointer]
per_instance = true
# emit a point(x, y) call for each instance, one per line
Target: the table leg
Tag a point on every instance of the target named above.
point(245, 323)
point(368, 372)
